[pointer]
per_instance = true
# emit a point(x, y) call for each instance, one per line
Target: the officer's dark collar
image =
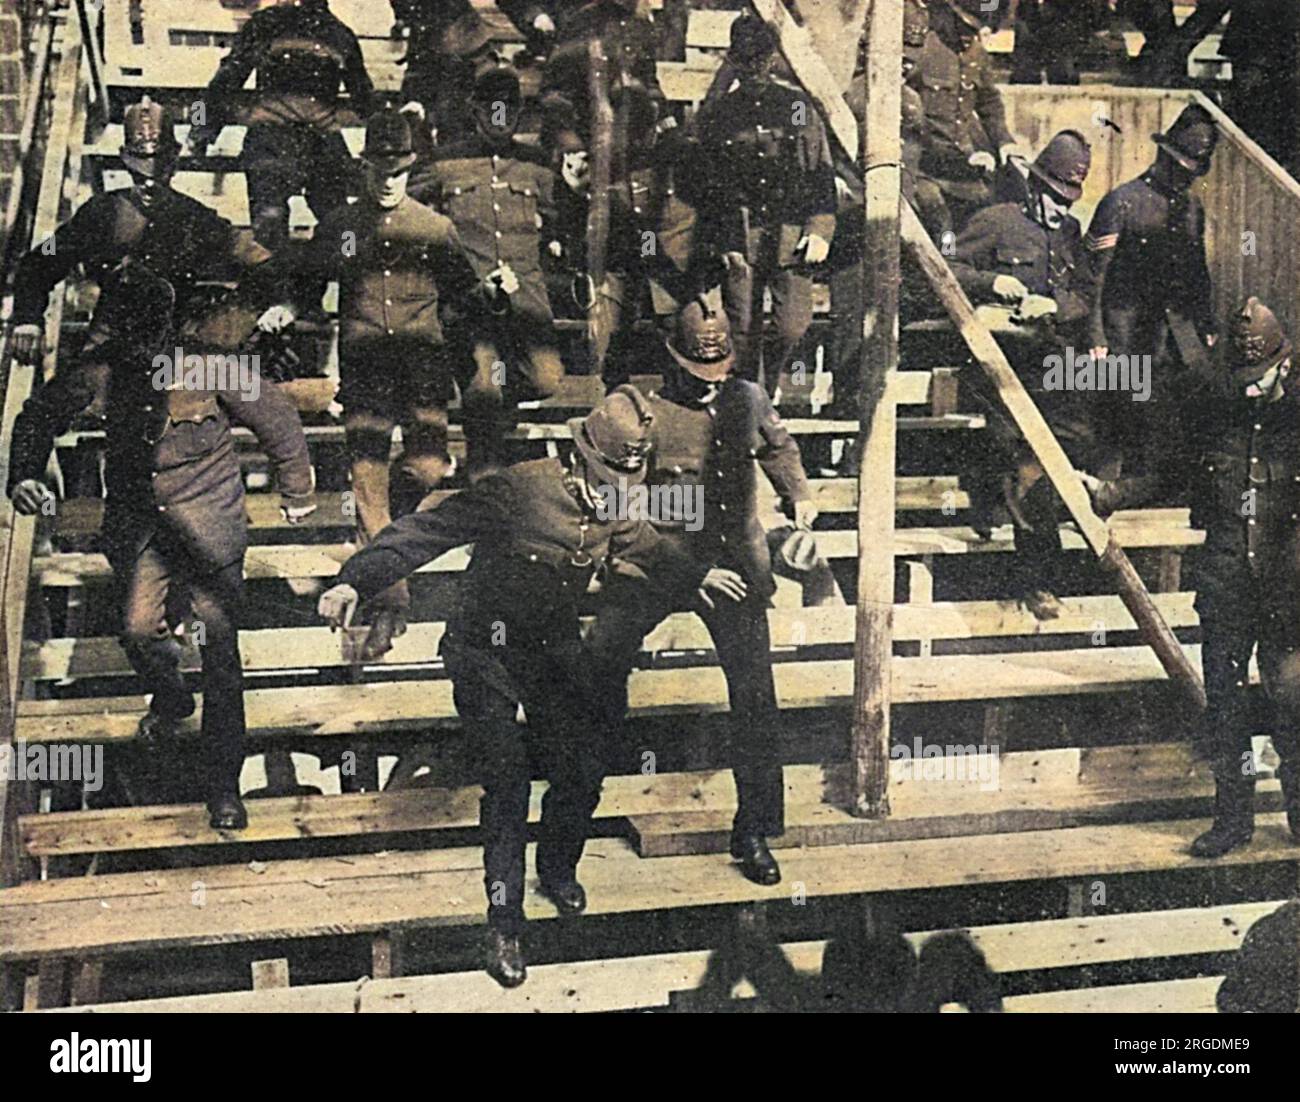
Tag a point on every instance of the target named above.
point(1151, 177)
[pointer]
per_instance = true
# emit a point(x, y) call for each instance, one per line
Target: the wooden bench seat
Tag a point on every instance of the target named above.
point(372, 893)
point(655, 980)
point(1145, 529)
point(1031, 790)
point(306, 648)
point(417, 705)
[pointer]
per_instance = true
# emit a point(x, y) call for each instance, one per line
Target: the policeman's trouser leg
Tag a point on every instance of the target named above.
point(425, 460)
point(272, 168)
point(146, 637)
point(741, 637)
point(503, 818)
point(216, 600)
point(370, 441)
point(564, 723)
point(483, 403)
point(1279, 667)
point(792, 311)
point(1225, 655)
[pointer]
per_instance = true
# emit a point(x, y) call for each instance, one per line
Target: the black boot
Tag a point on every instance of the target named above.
point(1234, 818)
point(504, 958)
point(568, 895)
point(756, 860)
point(227, 812)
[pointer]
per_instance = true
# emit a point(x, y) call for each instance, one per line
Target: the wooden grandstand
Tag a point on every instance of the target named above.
point(1069, 870)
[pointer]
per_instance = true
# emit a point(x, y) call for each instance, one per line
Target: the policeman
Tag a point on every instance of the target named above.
point(967, 120)
point(1240, 464)
point(398, 263)
point(301, 52)
point(499, 193)
point(541, 530)
point(1152, 280)
point(769, 196)
point(175, 509)
point(708, 429)
point(1027, 263)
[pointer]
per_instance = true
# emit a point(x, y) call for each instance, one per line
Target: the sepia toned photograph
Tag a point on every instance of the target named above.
point(650, 506)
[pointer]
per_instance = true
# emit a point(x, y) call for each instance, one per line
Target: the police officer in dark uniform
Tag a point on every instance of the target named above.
point(500, 194)
point(301, 52)
point(399, 265)
point(1240, 464)
point(967, 120)
point(439, 81)
point(708, 429)
point(175, 509)
point(769, 195)
point(541, 530)
point(1152, 280)
point(1028, 259)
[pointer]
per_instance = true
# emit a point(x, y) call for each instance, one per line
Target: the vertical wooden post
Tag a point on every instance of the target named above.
point(874, 635)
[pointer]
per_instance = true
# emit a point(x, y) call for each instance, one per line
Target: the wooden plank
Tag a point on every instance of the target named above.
point(403, 706)
point(32, 927)
point(1156, 528)
point(1193, 996)
point(270, 649)
point(1030, 790)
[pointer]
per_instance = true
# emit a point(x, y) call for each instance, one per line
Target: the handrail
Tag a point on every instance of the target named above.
point(17, 534)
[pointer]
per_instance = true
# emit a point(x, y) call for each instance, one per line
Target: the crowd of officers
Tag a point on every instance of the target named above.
point(451, 242)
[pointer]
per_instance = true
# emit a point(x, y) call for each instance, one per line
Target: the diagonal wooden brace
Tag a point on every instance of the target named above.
point(1050, 455)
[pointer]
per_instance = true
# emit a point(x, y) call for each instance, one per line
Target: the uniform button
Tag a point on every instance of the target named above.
point(148, 409)
point(162, 508)
point(388, 302)
point(1250, 554)
point(723, 506)
point(496, 206)
point(390, 332)
point(1251, 521)
point(723, 538)
point(532, 558)
point(498, 233)
point(1258, 427)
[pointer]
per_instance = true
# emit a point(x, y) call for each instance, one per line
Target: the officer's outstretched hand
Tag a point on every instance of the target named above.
point(725, 582)
point(982, 160)
point(814, 247)
point(276, 318)
point(32, 496)
point(338, 605)
point(26, 343)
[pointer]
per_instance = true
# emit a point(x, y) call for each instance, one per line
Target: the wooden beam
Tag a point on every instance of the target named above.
point(874, 636)
point(1051, 457)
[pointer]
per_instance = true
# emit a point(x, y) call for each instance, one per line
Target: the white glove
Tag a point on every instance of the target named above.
point(413, 107)
point(815, 248)
point(983, 161)
point(544, 23)
point(26, 343)
point(502, 280)
point(1010, 289)
point(338, 605)
point(32, 496)
point(805, 514)
point(276, 318)
point(1034, 307)
point(556, 249)
point(576, 171)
